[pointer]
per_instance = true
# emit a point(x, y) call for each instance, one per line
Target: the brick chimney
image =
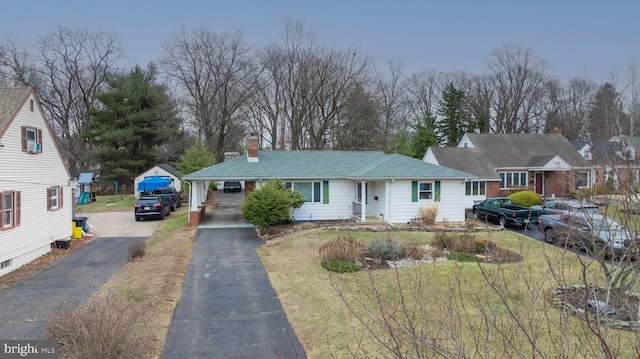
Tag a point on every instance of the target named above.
point(253, 145)
point(556, 131)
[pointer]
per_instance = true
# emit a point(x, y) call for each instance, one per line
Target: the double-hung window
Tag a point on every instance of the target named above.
point(9, 209)
point(31, 139)
point(425, 190)
point(54, 198)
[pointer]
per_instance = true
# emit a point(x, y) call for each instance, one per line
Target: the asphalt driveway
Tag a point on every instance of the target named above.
point(24, 307)
point(228, 307)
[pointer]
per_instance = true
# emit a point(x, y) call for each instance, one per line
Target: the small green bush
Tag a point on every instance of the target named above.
point(482, 245)
point(461, 257)
point(271, 204)
point(387, 249)
point(341, 266)
point(342, 249)
point(526, 198)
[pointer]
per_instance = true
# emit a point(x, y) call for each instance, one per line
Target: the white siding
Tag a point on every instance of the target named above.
point(32, 174)
point(450, 206)
point(338, 208)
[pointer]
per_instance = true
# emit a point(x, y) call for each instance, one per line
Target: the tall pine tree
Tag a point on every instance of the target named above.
point(454, 120)
point(136, 126)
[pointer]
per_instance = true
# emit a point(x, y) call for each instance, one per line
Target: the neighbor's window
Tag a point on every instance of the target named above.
point(310, 190)
point(581, 179)
point(513, 179)
point(425, 190)
point(475, 188)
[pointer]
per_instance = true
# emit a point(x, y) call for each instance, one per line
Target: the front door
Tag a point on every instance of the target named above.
point(539, 179)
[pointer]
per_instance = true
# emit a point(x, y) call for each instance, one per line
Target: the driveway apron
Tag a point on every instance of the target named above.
point(229, 308)
point(24, 307)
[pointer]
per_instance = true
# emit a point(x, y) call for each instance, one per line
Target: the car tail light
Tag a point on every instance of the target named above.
point(157, 205)
point(137, 206)
point(513, 214)
point(170, 198)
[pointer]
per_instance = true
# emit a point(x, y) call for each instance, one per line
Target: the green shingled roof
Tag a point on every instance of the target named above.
point(326, 165)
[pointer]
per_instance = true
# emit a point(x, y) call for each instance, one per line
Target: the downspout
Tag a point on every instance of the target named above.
point(190, 190)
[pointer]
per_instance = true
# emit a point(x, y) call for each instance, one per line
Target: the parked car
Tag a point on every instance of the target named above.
point(590, 232)
point(562, 206)
point(232, 186)
point(503, 209)
point(152, 206)
point(171, 195)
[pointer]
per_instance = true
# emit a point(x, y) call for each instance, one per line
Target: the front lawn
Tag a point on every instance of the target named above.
point(438, 309)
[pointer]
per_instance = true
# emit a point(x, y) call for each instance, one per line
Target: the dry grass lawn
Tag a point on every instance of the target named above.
point(449, 293)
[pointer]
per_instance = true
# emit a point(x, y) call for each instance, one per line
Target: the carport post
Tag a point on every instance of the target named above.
point(189, 207)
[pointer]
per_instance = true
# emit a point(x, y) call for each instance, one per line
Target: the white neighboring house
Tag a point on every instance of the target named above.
point(340, 185)
point(162, 169)
point(36, 203)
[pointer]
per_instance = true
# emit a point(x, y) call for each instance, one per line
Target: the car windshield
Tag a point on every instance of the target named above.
point(605, 224)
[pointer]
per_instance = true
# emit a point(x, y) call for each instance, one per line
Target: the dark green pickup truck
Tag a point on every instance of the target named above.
point(505, 212)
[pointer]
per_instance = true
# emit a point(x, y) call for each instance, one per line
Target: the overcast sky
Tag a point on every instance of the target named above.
point(577, 38)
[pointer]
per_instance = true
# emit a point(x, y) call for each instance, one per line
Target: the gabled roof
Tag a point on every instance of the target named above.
point(606, 151)
point(468, 160)
point(325, 165)
point(516, 150)
point(11, 100)
point(169, 169)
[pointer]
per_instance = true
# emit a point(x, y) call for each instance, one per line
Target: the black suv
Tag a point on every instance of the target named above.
point(171, 195)
point(152, 206)
point(232, 186)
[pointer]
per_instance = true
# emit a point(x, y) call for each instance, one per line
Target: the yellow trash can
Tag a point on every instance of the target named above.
point(76, 232)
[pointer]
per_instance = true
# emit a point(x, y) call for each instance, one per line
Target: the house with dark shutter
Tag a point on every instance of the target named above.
point(504, 163)
point(36, 203)
point(342, 185)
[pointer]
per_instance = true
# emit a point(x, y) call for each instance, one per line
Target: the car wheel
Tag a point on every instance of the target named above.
point(502, 221)
point(548, 236)
point(173, 208)
point(476, 214)
point(138, 218)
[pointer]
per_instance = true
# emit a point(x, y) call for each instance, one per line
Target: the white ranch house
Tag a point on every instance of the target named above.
point(341, 185)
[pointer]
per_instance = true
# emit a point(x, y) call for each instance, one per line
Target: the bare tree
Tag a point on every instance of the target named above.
point(423, 94)
point(68, 68)
point(217, 76)
point(479, 94)
point(328, 83)
point(518, 78)
point(569, 107)
point(391, 95)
